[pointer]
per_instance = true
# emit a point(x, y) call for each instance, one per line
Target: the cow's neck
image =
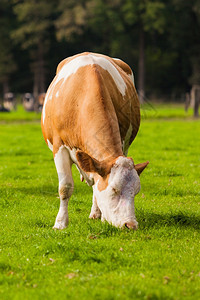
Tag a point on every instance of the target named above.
point(104, 150)
point(102, 139)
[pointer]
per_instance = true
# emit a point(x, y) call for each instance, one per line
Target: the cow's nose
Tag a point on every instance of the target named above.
point(131, 225)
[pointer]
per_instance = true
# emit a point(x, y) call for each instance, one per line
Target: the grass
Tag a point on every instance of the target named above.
point(19, 115)
point(91, 259)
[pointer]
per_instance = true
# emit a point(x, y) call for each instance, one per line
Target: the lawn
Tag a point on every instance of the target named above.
point(91, 259)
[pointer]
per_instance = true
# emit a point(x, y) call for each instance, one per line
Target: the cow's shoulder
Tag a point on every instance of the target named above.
point(68, 59)
point(124, 66)
point(62, 63)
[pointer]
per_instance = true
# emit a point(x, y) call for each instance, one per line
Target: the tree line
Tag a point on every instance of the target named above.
point(159, 39)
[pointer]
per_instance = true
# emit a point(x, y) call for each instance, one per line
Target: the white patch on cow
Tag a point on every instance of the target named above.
point(95, 211)
point(43, 109)
point(57, 94)
point(63, 167)
point(45, 102)
point(89, 176)
point(131, 76)
point(116, 202)
point(72, 153)
point(50, 145)
point(108, 66)
point(58, 159)
point(90, 59)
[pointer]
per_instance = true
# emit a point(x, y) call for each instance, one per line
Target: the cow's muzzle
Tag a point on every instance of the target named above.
point(132, 225)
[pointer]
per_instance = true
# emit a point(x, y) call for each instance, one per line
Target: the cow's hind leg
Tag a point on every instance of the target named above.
point(95, 211)
point(66, 185)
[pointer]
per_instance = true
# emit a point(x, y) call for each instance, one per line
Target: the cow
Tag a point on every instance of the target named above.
point(9, 102)
point(90, 117)
point(32, 104)
point(28, 102)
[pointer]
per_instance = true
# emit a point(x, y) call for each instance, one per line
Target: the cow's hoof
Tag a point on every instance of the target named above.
point(59, 226)
point(95, 215)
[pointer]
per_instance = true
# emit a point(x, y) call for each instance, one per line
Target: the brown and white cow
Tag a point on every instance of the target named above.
point(90, 117)
point(9, 102)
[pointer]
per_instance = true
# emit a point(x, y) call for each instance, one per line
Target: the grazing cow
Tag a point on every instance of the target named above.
point(28, 102)
point(9, 102)
point(90, 117)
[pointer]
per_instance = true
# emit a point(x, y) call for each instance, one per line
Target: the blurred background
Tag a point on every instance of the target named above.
point(159, 39)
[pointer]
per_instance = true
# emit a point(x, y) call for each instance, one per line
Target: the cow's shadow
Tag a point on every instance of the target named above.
point(180, 219)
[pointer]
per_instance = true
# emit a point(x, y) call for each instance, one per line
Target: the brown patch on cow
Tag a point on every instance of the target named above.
point(41, 98)
point(91, 165)
point(122, 65)
point(103, 183)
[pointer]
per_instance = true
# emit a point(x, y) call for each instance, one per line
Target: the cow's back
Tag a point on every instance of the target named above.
point(90, 105)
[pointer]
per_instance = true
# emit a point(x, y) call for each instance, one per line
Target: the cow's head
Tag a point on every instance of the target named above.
point(116, 184)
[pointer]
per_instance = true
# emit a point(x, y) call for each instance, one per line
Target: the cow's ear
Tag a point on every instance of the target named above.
point(140, 167)
point(89, 164)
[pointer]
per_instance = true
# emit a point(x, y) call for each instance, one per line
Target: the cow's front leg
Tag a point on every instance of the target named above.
point(66, 185)
point(95, 211)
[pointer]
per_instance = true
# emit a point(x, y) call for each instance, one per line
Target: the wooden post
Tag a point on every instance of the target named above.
point(196, 100)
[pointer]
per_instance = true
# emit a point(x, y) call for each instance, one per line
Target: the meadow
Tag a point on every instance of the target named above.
point(91, 259)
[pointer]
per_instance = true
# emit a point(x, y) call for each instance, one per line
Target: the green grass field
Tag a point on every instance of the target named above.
point(91, 259)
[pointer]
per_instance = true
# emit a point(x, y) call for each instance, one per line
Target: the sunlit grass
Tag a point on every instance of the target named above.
point(149, 110)
point(19, 115)
point(153, 110)
point(91, 259)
